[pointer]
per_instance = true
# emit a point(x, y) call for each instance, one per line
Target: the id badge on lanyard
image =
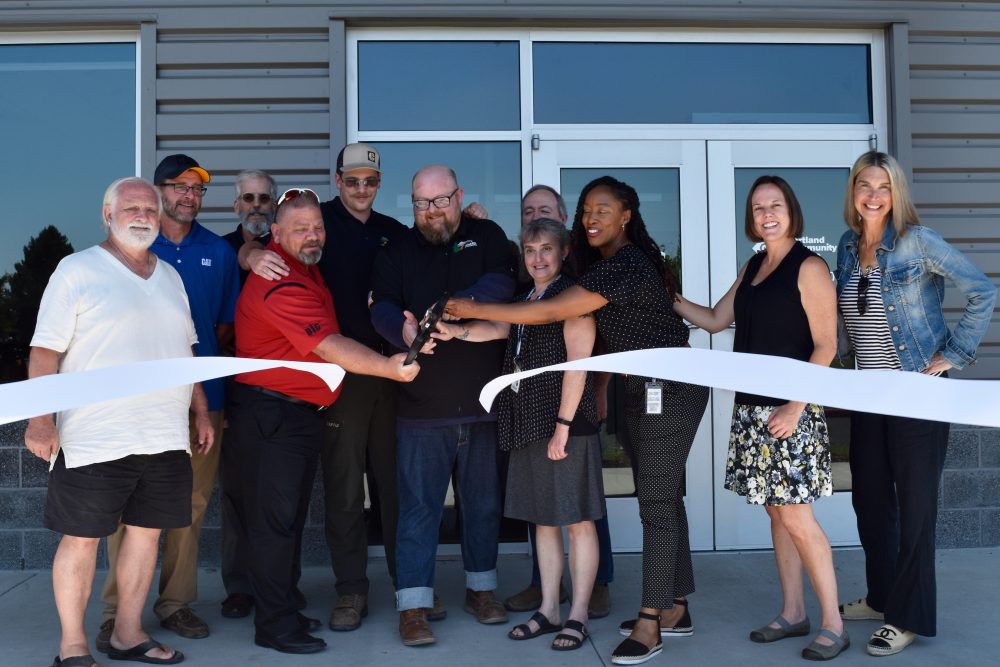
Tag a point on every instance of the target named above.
point(654, 398)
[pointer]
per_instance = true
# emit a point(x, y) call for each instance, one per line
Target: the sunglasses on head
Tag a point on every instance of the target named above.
point(293, 193)
point(249, 198)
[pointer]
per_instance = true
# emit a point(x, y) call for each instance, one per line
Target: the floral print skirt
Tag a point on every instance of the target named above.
point(769, 471)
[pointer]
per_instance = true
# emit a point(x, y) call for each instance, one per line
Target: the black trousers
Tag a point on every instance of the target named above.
point(278, 450)
point(362, 428)
point(896, 466)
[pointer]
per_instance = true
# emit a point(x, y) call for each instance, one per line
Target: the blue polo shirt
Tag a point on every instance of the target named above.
point(211, 276)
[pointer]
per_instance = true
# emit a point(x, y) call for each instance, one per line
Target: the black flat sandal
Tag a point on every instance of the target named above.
point(684, 627)
point(632, 652)
point(575, 642)
point(545, 626)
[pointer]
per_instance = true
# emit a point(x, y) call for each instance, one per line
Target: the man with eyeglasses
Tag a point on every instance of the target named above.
point(440, 424)
point(254, 206)
point(208, 268)
point(280, 416)
point(362, 422)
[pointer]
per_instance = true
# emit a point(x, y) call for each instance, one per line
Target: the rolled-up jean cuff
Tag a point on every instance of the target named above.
point(417, 597)
point(481, 581)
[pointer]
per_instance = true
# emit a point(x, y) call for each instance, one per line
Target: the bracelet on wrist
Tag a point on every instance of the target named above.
point(564, 422)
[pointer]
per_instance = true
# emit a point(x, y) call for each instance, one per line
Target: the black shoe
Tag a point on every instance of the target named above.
point(308, 624)
point(237, 605)
point(293, 642)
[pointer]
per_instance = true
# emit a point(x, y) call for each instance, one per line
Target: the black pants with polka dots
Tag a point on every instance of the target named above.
point(660, 445)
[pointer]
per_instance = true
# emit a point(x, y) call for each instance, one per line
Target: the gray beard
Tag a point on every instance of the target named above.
point(309, 260)
point(257, 228)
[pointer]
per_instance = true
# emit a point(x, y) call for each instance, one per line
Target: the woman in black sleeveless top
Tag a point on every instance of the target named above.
point(784, 305)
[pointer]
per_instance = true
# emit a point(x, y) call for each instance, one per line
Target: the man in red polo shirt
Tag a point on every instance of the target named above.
point(279, 414)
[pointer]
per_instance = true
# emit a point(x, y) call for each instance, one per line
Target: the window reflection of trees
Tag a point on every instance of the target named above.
point(20, 295)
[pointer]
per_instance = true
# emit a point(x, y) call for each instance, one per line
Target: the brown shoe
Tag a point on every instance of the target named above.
point(484, 606)
point(348, 613)
point(437, 612)
point(186, 623)
point(103, 640)
point(531, 598)
point(414, 629)
point(600, 602)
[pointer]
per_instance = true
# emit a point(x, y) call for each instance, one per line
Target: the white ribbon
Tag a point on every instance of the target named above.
point(64, 391)
point(884, 392)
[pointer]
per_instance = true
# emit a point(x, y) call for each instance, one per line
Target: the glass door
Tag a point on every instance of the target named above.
point(817, 172)
point(669, 177)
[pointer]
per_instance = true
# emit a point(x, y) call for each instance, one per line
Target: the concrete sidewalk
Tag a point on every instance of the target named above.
point(736, 593)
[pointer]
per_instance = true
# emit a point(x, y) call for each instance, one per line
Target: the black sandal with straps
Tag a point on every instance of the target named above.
point(632, 652)
point(683, 628)
point(575, 642)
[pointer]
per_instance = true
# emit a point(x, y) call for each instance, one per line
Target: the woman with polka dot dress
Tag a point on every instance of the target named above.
point(625, 282)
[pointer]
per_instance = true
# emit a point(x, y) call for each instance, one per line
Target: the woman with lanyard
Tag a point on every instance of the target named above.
point(890, 275)
point(548, 423)
point(784, 305)
point(629, 288)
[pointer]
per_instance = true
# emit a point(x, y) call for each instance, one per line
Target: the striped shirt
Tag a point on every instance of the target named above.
point(873, 346)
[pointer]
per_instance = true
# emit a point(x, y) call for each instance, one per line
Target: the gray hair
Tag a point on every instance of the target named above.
point(560, 202)
point(545, 226)
point(248, 174)
point(111, 195)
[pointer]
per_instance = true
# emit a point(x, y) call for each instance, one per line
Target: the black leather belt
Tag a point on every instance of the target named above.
point(290, 399)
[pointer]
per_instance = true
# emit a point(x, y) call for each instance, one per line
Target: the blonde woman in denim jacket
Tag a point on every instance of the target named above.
point(890, 287)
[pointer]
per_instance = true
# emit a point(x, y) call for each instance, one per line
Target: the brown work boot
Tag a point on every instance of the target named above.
point(414, 629)
point(600, 602)
point(186, 623)
point(348, 613)
point(437, 612)
point(103, 640)
point(484, 606)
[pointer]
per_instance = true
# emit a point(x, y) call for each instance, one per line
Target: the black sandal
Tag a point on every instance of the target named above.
point(545, 626)
point(75, 661)
point(138, 654)
point(633, 652)
point(575, 642)
point(683, 628)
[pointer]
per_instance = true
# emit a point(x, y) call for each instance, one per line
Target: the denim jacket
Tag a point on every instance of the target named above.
point(914, 267)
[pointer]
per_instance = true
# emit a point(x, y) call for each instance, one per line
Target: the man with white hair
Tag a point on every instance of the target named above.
point(124, 460)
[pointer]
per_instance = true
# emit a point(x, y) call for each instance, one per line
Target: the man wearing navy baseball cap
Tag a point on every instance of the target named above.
point(210, 273)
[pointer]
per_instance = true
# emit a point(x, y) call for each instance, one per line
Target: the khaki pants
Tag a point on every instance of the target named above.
point(179, 567)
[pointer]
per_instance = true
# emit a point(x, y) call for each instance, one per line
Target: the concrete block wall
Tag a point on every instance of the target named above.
point(969, 504)
point(25, 544)
point(969, 498)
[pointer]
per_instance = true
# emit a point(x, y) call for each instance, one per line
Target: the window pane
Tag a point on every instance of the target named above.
point(575, 82)
point(660, 205)
point(67, 128)
point(820, 192)
point(438, 86)
point(489, 173)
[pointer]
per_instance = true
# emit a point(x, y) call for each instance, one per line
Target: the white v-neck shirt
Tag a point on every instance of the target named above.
point(98, 313)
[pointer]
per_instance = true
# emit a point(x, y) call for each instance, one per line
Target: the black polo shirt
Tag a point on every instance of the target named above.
point(236, 240)
point(411, 274)
point(346, 266)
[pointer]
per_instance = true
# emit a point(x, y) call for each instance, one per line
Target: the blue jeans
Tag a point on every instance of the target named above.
point(425, 459)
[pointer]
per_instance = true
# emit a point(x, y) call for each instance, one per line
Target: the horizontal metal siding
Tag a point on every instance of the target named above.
point(234, 94)
point(955, 118)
